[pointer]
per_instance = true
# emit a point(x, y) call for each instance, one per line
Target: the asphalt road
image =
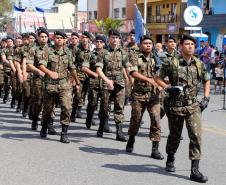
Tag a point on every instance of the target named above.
point(26, 159)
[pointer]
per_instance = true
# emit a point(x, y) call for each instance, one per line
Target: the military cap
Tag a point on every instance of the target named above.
point(25, 35)
point(10, 38)
point(4, 40)
point(113, 32)
point(100, 37)
point(61, 33)
point(86, 33)
point(75, 34)
point(170, 37)
point(187, 37)
point(132, 31)
point(42, 30)
point(145, 37)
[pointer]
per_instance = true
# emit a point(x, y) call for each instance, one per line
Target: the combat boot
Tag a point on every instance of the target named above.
point(170, 164)
point(100, 130)
point(119, 134)
point(107, 128)
point(43, 132)
point(130, 143)
point(88, 121)
point(79, 112)
point(196, 175)
point(51, 130)
point(64, 135)
point(34, 124)
point(155, 151)
point(73, 115)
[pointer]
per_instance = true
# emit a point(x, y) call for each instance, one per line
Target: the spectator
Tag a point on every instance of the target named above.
point(219, 71)
point(206, 56)
point(159, 47)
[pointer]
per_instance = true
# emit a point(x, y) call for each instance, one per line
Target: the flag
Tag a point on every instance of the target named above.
point(16, 9)
point(139, 24)
point(39, 10)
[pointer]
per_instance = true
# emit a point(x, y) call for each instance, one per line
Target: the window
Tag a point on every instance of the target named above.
point(123, 12)
point(90, 15)
point(173, 8)
point(55, 9)
point(167, 6)
point(163, 6)
point(149, 11)
point(95, 14)
point(116, 13)
point(157, 10)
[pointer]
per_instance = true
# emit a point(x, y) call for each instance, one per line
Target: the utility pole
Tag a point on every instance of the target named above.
point(145, 14)
point(76, 16)
point(20, 27)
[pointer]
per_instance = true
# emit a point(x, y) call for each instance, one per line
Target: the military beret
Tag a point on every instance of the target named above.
point(4, 40)
point(75, 34)
point(145, 37)
point(100, 37)
point(25, 35)
point(113, 32)
point(42, 30)
point(132, 31)
point(61, 33)
point(10, 38)
point(86, 33)
point(187, 37)
point(170, 37)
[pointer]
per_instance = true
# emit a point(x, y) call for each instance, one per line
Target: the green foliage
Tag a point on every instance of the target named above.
point(107, 24)
point(5, 6)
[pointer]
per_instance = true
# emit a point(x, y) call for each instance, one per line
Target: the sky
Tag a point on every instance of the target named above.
point(82, 5)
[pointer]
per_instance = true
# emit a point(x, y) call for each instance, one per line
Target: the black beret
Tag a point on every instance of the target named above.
point(132, 31)
point(145, 37)
point(10, 38)
point(4, 40)
point(75, 34)
point(86, 33)
point(187, 37)
point(42, 30)
point(25, 35)
point(113, 32)
point(61, 33)
point(32, 34)
point(170, 37)
point(100, 37)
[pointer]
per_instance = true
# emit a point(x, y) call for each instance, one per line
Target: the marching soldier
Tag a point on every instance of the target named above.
point(3, 45)
point(110, 67)
point(184, 73)
point(56, 64)
point(145, 95)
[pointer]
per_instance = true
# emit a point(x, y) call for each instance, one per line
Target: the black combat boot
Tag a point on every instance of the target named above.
point(51, 130)
point(119, 134)
point(43, 132)
point(107, 128)
point(100, 130)
point(196, 175)
point(130, 143)
point(88, 121)
point(155, 151)
point(170, 164)
point(79, 112)
point(34, 124)
point(73, 115)
point(64, 136)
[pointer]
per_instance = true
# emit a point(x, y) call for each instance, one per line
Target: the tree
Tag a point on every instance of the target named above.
point(107, 24)
point(5, 6)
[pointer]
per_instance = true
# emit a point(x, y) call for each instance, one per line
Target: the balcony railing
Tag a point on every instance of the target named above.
point(162, 19)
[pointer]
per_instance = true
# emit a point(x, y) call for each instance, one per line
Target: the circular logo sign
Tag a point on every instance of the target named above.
point(193, 15)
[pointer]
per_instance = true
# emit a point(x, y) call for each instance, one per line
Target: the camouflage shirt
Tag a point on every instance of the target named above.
point(9, 53)
point(112, 63)
point(21, 53)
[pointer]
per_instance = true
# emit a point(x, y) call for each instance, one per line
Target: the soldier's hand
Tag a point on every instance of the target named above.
point(95, 75)
point(77, 88)
point(204, 103)
point(20, 76)
point(110, 84)
point(25, 75)
point(54, 75)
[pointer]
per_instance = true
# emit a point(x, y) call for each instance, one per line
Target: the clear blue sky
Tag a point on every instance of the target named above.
point(82, 5)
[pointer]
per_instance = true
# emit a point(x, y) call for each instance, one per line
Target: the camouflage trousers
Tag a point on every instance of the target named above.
point(1, 80)
point(37, 98)
point(64, 96)
point(193, 124)
point(93, 96)
point(153, 107)
point(118, 96)
point(27, 95)
point(7, 83)
point(14, 87)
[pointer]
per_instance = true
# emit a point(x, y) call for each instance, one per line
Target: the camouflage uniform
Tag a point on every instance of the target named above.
point(79, 97)
point(184, 106)
point(145, 96)
point(36, 54)
point(9, 53)
point(112, 64)
point(1, 74)
point(60, 62)
point(94, 85)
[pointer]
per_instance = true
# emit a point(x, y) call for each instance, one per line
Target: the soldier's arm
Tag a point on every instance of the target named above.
point(75, 76)
point(103, 77)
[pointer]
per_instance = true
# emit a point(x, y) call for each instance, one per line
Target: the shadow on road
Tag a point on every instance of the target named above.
point(144, 168)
